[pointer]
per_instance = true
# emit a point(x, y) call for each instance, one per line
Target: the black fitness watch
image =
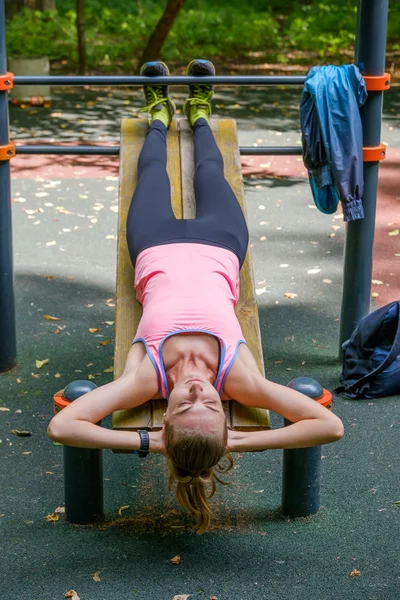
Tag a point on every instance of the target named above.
point(144, 444)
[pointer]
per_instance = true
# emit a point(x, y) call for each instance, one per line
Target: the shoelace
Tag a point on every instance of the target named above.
point(154, 98)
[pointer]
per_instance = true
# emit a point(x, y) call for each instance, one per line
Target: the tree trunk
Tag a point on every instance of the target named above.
point(80, 28)
point(40, 4)
point(14, 6)
point(160, 34)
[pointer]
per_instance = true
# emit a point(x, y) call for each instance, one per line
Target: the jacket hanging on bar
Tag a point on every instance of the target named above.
point(332, 138)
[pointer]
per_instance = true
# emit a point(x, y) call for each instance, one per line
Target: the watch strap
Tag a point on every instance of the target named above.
point(144, 443)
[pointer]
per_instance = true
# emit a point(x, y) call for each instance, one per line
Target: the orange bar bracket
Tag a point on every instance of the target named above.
point(375, 153)
point(7, 151)
point(377, 83)
point(6, 81)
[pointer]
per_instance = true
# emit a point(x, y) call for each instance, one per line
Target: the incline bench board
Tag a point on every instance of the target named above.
point(128, 310)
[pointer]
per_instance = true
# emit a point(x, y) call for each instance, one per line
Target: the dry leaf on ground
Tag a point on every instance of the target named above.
point(50, 318)
point(52, 518)
point(93, 330)
point(290, 295)
point(96, 576)
point(4, 409)
point(104, 342)
point(21, 432)
point(122, 508)
point(41, 363)
point(176, 560)
point(355, 573)
point(72, 594)
point(60, 509)
point(182, 597)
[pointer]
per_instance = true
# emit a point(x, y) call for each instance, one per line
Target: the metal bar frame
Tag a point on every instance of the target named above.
point(114, 150)
point(372, 16)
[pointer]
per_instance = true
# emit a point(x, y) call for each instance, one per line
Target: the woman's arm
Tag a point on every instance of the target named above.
point(76, 425)
point(312, 424)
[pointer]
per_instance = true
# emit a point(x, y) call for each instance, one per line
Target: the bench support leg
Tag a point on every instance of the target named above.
point(301, 481)
point(83, 485)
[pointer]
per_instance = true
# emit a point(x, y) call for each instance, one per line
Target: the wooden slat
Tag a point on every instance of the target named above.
point(242, 417)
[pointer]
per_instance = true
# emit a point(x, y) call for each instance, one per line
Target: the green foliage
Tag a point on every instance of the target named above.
point(117, 30)
point(326, 28)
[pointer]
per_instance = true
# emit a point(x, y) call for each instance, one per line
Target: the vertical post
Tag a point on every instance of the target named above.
point(8, 349)
point(370, 51)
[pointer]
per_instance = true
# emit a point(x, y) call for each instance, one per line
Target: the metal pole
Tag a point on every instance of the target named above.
point(8, 347)
point(370, 56)
point(114, 150)
point(83, 472)
point(301, 468)
point(140, 80)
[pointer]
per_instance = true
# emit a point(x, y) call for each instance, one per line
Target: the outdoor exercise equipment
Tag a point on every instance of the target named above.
point(372, 25)
point(370, 48)
point(83, 467)
point(301, 474)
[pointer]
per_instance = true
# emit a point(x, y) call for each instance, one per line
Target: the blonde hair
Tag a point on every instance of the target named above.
point(193, 459)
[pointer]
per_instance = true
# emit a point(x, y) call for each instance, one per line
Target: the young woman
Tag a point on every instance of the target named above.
point(189, 347)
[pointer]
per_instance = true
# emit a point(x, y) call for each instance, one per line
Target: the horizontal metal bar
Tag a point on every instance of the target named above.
point(172, 80)
point(114, 150)
point(101, 150)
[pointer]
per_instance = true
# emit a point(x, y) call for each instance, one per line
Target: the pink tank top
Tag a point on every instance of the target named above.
point(188, 288)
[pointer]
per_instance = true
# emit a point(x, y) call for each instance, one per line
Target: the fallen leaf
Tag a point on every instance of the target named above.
point(4, 409)
point(56, 331)
point(110, 302)
point(261, 290)
point(396, 502)
point(284, 265)
point(374, 294)
point(21, 432)
point(96, 576)
point(19, 380)
point(93, 330)
point(278, 362)
point(258, 491)
point(313, 271)
point(104, 342)
point(26, 452)
point(394, 232)
point(52, 518)
point(57, 375)
point(60, 510)
point(182, 597)
point(50, 318)
point(122, 508)
point(52, 243)
point(355, 572)
point(72, 594)
point(109, 322)
point(327, 280)
point(176, 560)
point(290, 295)
point(41, 363)
point(262, 238)
point(109, 370)
point(213, 598)
point(335, 227)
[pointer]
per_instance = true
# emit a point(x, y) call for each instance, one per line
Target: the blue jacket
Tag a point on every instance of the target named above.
point(332, 137)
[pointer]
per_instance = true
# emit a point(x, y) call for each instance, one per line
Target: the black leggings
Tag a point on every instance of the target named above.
point(219, 219)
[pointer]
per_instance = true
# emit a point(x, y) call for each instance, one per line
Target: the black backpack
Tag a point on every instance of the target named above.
point(371, 357)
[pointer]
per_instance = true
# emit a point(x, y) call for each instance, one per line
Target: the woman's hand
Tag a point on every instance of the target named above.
point(157, 442)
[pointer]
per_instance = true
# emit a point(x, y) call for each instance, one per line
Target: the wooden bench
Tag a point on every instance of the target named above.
point(128, 310)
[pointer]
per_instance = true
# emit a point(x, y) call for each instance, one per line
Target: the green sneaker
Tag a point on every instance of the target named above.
point(159, 104)
point(197, 105)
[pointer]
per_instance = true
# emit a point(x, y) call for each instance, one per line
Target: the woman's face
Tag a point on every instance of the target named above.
point(194, 402)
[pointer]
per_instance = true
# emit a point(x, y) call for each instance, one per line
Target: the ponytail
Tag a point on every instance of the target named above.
point(194, 458)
